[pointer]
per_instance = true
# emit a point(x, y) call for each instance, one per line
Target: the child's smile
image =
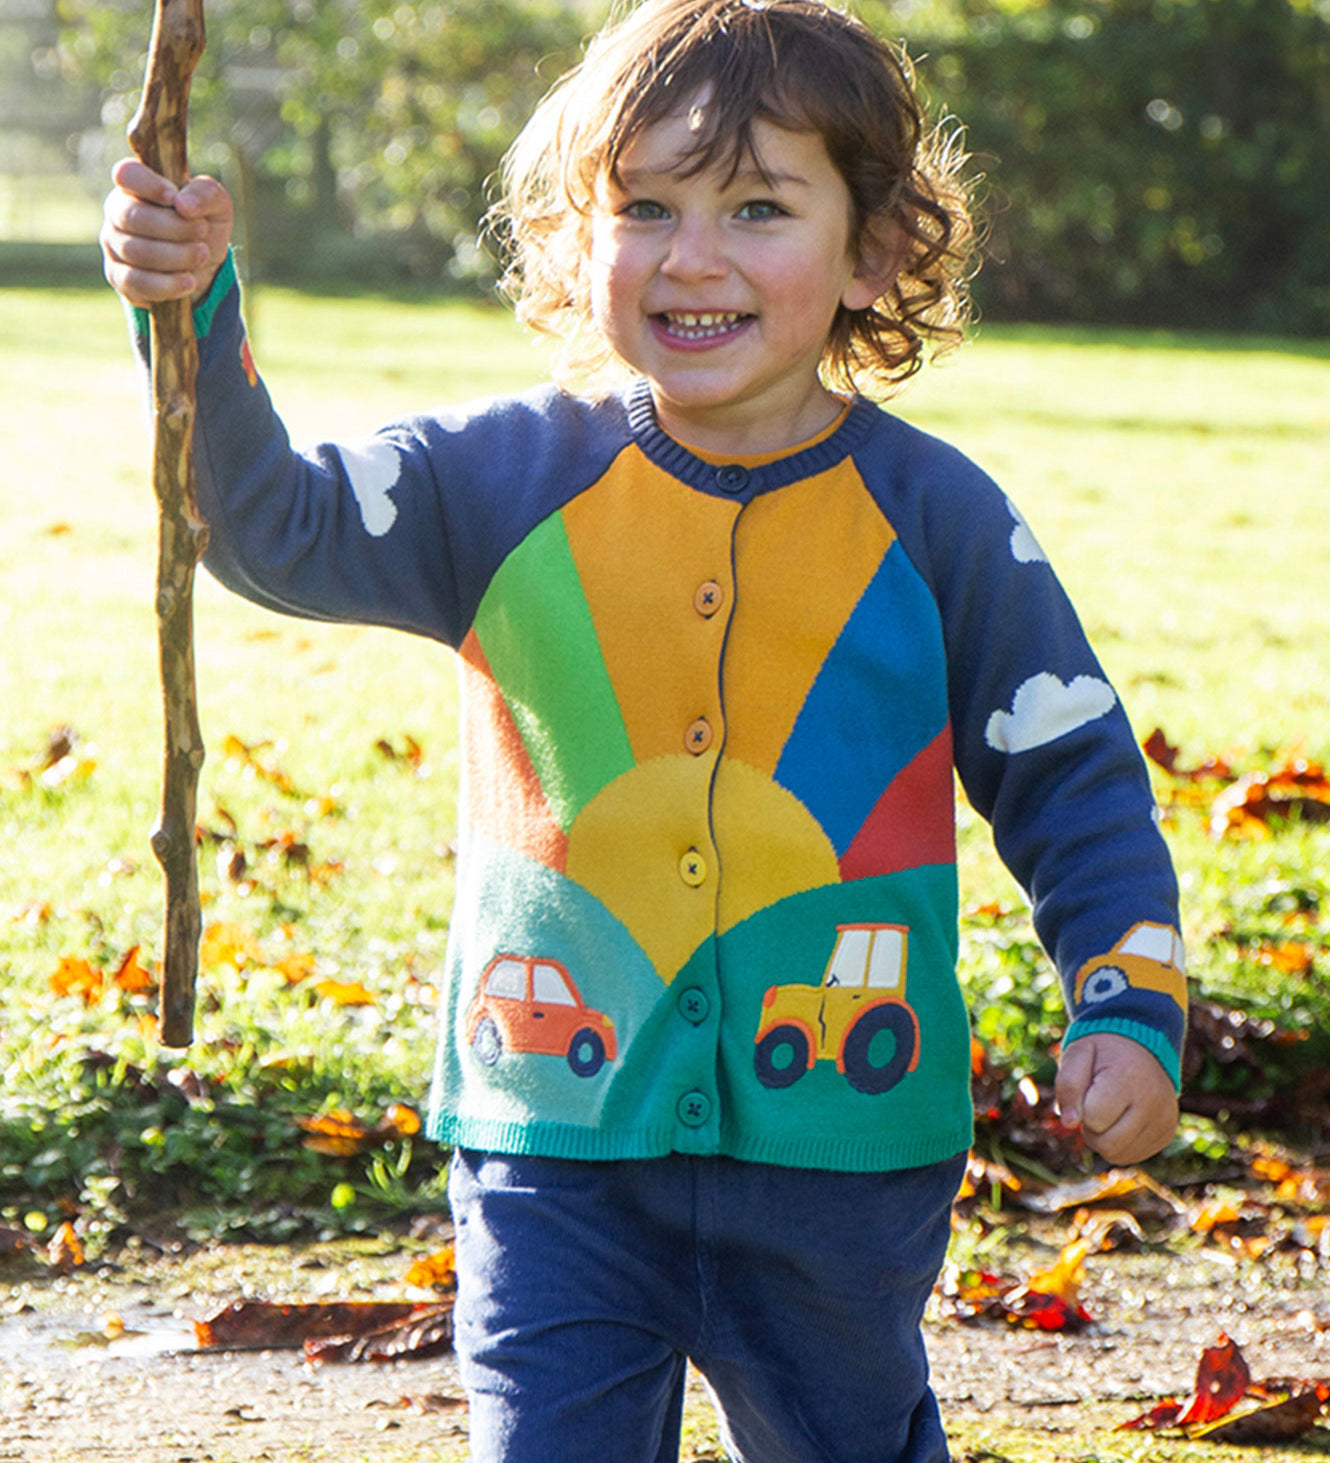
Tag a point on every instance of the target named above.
point(687, 326)
point(721, 286)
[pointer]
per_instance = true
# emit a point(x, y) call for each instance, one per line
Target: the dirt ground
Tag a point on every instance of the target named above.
point(68, 1393)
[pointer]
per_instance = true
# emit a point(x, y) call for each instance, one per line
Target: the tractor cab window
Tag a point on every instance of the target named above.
point(849, 959)
point(507, 978)
point(548, 986)
point(886, 964)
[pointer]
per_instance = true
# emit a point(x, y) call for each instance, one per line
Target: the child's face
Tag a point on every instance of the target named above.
point(722, 290)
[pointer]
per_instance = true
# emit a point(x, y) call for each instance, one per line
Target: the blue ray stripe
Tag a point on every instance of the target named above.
point(846, 747)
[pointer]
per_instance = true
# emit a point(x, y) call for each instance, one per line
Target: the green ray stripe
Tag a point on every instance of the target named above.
point(537, 634)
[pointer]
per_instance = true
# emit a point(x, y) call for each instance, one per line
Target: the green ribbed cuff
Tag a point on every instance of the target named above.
point(206, 308)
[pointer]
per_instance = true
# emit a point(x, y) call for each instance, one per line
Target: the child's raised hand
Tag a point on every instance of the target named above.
point(1118, 1095)
point(160, 242)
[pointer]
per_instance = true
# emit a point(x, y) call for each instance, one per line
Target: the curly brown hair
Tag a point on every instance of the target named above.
point(797, 64)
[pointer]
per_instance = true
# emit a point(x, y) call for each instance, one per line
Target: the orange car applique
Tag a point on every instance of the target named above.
point(1148, 957)
point(858, 1017)
point(527, 1003)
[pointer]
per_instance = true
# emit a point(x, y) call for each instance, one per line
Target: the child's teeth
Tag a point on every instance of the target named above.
point(704, 323)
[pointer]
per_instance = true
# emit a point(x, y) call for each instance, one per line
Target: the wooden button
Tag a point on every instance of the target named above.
point(699, 736)
point(708, 598)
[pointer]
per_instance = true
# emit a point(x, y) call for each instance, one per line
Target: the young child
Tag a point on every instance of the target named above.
point(725, 628)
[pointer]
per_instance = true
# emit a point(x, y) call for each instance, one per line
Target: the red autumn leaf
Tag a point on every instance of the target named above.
point(1222, 1379)
point(1161, 751)
point(259, 1325)
point(1045, 1312)
point(1162, 1414)
point(1046, 1302)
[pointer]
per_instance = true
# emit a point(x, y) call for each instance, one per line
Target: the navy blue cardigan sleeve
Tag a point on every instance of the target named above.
point(1043, 745)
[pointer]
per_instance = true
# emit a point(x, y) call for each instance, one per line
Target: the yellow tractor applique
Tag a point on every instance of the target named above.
point(858, 1017)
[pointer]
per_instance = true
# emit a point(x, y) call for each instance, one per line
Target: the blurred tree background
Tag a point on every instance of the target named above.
point(1156, 162)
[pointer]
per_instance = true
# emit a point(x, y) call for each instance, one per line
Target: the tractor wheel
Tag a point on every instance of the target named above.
point(586, 1053)
point(487, 1043)
point(781, 1057)
point(873, 1061)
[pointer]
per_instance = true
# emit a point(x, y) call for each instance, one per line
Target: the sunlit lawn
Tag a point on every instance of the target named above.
point(1178, 484)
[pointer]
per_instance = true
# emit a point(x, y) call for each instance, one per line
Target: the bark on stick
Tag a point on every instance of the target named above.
point(157, 135)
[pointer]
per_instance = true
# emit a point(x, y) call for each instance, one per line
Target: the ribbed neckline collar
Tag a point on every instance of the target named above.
point(741, 478)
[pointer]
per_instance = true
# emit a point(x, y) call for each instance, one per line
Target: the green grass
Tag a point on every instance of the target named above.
point(1178, 485)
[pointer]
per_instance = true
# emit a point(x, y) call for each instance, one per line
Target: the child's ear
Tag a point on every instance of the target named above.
point(882, 247)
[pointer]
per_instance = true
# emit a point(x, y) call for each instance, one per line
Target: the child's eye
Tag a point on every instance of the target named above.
point(644, 210)
point(759, 209)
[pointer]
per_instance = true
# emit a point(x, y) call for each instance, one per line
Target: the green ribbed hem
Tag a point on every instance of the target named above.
point(1158, 1046)
point(556, 1140)
point(204, 311)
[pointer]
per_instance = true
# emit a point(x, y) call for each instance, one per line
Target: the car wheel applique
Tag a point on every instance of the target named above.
point(586, 1053)
point(1105, 983)
point(858, 1017)
point(530, 1004)
point(1148, 957)
point(486, 1041)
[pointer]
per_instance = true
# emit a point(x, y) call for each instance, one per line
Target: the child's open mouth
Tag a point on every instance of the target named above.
point(702, 325)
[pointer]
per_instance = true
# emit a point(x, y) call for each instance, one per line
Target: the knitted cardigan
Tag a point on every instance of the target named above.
point(711, 710)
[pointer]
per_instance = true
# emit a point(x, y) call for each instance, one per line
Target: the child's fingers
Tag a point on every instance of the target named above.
point(132, 176)
point(146, 286)
point(1137, 1134)
point(148, 235)
point(145, 269)
point(1074, 1074)
point(203, 198)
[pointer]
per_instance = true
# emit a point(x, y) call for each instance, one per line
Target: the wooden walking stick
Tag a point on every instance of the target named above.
point(157, 135)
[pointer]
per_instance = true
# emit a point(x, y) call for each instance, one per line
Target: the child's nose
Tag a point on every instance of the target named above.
point(696, 251)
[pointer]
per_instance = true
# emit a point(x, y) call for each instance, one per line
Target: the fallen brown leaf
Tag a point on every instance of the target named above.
point(427, 1331)
point(258, 1324)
